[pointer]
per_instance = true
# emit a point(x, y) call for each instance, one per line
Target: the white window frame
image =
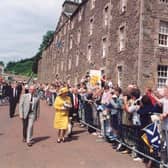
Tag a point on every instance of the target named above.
point(77, 60)
point(91, 27)
point(79, 36)
point(80, 15)
point(62, 65)
point(106, 15)
point(92, 5)
point(72, 24)
point(122, 38)
point(57, 69)
point(123, 6)
point(163, 34)
point(65, 29)
point(69, 64)
point(104, 47)
point(120, 75)
point(89, 53)
point(162, 75)
point(71, 42)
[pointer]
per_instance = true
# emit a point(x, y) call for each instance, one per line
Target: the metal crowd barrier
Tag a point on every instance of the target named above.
point(128, 133)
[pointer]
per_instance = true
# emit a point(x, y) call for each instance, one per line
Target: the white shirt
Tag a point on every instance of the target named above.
point(164, 102)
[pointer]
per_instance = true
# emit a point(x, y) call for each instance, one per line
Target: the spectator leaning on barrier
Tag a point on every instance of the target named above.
point(164, 118)
point(132, 109)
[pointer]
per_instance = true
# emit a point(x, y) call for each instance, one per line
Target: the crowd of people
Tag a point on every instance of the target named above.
point(109, 112)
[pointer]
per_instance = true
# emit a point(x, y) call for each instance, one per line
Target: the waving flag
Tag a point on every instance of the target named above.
point(59, 44)
point(152, 137)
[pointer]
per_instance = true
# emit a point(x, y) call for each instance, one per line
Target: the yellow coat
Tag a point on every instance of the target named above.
point(61, 115)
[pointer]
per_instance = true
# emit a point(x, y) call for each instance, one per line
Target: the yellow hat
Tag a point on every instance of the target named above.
point(63, 91)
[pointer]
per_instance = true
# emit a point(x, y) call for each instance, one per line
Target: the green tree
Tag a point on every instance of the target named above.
point(2, 63)
point(47, 39)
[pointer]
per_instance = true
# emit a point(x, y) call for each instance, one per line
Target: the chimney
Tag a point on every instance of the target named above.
point(70, 6)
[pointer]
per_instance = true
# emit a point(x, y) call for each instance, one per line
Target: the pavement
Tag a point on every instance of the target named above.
point(82, 151)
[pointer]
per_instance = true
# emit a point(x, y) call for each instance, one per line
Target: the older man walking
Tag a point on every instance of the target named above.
point(29, 112)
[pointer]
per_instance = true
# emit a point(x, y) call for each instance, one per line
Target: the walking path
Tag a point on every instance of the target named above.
point(83, 151)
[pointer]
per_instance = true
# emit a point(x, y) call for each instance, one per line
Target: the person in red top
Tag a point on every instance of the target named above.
point(149, 93)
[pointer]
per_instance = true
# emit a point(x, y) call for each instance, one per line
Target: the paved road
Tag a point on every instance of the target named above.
point(84, 151)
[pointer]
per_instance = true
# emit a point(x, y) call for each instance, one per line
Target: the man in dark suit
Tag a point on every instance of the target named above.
point(13, 99)
point(73, 115)
point(19, 88)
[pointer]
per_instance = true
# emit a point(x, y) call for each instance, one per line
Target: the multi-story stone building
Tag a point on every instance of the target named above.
point(127, 39)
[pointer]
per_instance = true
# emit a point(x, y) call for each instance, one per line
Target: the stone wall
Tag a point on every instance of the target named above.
point(139, 59)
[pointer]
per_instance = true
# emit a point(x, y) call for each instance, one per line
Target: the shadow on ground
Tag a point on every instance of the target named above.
point(39, 139)
point(78, 132)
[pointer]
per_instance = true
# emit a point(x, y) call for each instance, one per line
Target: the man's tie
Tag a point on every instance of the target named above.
point(31, 103)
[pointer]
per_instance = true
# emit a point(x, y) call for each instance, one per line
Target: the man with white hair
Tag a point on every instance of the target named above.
point(164, 118)
point(29, 112)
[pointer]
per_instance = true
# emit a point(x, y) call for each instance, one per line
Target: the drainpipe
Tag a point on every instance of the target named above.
point(140, 52)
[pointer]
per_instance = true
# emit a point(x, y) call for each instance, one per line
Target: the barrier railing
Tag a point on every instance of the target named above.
point(131, 140)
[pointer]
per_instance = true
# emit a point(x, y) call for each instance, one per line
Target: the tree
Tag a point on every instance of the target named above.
point(47, 39)
point(2, 63)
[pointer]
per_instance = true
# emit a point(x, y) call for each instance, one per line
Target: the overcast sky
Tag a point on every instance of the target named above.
point(22, 25)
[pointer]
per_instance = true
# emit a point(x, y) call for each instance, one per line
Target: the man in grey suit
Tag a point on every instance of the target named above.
point(29, 109)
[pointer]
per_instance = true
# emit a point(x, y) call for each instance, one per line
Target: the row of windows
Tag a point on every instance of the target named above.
point(123, 5)
point(162, 73)
point(164, 1)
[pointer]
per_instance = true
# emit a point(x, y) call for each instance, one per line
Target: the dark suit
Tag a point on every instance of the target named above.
point(19, 88)
point(13, 100)
point(73, 114)
point(74, 110)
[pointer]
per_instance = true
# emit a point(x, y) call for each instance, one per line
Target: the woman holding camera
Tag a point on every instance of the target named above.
point(62, 105)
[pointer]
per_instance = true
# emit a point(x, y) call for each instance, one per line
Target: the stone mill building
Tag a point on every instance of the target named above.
point(125, 39)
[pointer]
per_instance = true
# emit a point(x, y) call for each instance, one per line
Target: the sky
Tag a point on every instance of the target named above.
point(23, 24)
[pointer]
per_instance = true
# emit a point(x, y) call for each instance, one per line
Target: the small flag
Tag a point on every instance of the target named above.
point(59, 44)
point(152, 137)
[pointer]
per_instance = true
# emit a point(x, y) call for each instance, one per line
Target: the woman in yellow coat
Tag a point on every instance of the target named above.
point(62, 105)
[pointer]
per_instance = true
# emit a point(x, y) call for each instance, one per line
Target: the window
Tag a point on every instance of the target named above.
point(62, 65)
point(64, 29)
point(79, 36)
point(91, 27)
point(164, 1)
point(89, 54)
point(162, 75)
point(63, 47)
point(123, 6)
point(77, 59)
point(106, 15)
point(120, 75)
point(57, 68)
point(122, 40)
point(93, 4)
point(72, 24)
point(76, 80)
point(80, 15)
point(163, 34)
point(70, 64)
point(104, 47)
point(71, 42)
